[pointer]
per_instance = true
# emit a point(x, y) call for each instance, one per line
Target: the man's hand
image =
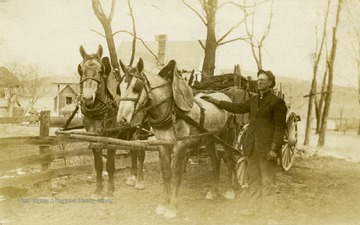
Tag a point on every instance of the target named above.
point(271, 156)
point(210, 99)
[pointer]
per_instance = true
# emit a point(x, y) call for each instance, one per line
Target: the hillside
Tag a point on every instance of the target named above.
point(344, 99)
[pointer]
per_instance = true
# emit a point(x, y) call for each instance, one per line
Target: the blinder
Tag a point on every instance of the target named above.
point(118, 92)
point(139, 85)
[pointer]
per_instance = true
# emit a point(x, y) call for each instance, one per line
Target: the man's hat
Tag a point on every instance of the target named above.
point(270, 75)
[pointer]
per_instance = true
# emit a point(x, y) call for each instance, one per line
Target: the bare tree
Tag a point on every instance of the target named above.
point(209, 10)
point(109, 35)
point(134, 33)
point(317, 58)
point(32, 85)
point(106, 23)
point(330, 64)
point(319, 104)
point(256, 43)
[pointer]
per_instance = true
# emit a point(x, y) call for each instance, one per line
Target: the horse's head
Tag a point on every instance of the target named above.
point(92, 70)
point(133, 89)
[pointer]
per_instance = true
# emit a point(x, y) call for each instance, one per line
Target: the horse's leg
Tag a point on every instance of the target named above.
point(98, 168)
point(139, 184)
point(165, 164)
point(177, 169)
point(131, 180)
point(110, 168)
point(215, 164)
point(229, 160)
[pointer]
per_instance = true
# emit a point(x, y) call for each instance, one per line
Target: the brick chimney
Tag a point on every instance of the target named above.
point(161, 39)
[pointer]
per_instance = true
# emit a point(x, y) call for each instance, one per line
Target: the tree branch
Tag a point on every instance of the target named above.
point(243, 6)
point(267, 30)
point(134, 36)
point(231, 30)
point(196, 12)
point(142, 41)
point(98, 33)
point(235, 39)
point(202, 45)
point(111, 11)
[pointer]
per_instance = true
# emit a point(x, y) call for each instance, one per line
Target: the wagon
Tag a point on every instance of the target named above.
point(239, 89)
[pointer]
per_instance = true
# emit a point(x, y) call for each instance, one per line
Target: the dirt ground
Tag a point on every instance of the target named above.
point(318, 189)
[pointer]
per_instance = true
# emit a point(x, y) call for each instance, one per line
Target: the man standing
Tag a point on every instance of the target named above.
point(262, 143)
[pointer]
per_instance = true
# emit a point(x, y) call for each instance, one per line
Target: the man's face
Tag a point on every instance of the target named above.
point(263, 82)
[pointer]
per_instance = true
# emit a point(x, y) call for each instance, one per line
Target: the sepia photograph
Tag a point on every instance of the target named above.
point(180, 112)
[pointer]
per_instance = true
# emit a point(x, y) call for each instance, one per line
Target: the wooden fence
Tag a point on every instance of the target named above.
point(43, 141)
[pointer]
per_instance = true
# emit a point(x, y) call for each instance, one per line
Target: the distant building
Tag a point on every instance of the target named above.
point(188, 54)
point(66, 100)
point(9, 97)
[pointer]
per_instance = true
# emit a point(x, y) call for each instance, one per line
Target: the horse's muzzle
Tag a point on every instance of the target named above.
point(88, 100)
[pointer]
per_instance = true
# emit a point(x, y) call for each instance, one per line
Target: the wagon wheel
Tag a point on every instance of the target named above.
point(290, 140)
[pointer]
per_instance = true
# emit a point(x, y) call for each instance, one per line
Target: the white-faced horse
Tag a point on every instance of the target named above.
point(153, 94)
point(99, 103)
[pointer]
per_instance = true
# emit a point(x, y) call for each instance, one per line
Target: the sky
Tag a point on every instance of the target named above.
point(49, 33)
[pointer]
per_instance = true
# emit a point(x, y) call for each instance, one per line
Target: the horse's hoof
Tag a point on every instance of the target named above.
point(130, 181)
point(160, 210)
point(96, 196)
point(169, 214)
point(109, 195)
point(140, 185)
point(210, 195)
point(230, 195)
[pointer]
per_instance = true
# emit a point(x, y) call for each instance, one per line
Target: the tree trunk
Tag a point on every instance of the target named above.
point(321, 102)
point(330, 64)
point(309, 113)
point(111, 46)
point(210, 52)
point(106, 23)
point(210, 46)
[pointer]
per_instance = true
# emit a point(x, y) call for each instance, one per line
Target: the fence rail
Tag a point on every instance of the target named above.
point(45, 156)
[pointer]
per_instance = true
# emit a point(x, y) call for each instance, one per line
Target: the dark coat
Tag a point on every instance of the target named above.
point(267, 124)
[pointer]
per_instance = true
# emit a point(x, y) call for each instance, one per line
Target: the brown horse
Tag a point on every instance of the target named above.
point(99, 103)
point(152, 93)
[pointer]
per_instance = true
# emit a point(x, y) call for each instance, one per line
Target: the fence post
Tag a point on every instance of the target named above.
point(44, 132)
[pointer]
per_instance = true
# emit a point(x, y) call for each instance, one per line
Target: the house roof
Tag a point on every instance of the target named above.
point(188, 54)
point(75, 89)
point(7, 79)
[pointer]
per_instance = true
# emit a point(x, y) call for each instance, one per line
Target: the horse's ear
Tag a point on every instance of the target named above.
point(79, 70)
point(99, 51)
point(123, 67)
point(140, 65)
point(83, 52)
point(107, 66)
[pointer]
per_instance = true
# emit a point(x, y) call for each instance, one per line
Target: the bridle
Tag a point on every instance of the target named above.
point(106, 108)
point(141, 80)
point(99, 73)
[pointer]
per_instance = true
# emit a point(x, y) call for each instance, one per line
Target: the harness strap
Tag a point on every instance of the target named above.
point(202, 113)
point(192, 122)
